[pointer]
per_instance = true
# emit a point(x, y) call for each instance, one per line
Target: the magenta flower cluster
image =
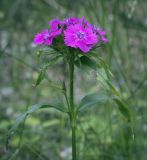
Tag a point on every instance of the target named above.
point(76, 33)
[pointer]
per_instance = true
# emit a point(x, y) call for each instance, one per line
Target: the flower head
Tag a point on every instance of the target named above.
point(78, 36)
point(75, 32)
point(46, 36)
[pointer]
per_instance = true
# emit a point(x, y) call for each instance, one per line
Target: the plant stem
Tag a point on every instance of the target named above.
point(71, 74)
point(74, 156)
point(72, 107)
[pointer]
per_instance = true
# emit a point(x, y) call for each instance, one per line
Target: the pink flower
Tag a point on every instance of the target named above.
point(46, 36)
point(39, 37)
point(55, 25)
point(77, 32)
point(100, 32)
point(71, 21)
point(79, 36)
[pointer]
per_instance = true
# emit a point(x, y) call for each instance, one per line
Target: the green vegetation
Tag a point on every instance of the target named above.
point(102, 132)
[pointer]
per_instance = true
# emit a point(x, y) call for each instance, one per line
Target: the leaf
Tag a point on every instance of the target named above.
point(39, 54)
point(49, 50)
point(106, 82)
point(18, 121)
point(31, 110)
point(104, 65)
point(52, 61)
point(124, 109)
point(86, 61)
point(103, 76)
point(35, 107)
point(127, 113)
point(98, 65)
point(93, 99)
point(41, 76)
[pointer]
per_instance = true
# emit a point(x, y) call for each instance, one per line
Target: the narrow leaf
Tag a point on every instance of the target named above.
point(36, 107)
point(105, 81)
point(31, 110)
point(50, 63)
point(93, 99)
point(86, 61)
point(41, 76)
point(18, 121)
point(124, 109)
point(39, 54)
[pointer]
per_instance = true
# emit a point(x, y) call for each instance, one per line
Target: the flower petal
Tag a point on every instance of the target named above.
point(38, 39)
point(83, 47)
point(48, 41)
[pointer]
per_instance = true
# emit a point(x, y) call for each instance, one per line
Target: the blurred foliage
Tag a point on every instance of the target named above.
point(102, 133)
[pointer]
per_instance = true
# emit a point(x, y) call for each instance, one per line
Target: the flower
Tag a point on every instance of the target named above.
point(79, 36)
point(75, 32)
point(46, 36)
point(39, 37)
point(101, 33)
point(55, 25)
point(73, 20)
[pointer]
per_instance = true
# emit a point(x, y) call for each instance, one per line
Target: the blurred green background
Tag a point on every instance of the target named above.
point(102, 133)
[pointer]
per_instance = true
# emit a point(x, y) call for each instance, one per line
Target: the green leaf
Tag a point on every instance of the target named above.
point(40, 77)
point(50, 63)
point(98, 66)
point(104, 65)
point(18, 121)
point(14, 127)
point(86, 61)
point(106, 82)
point(49, 50)
point(103, 77)
point(35, 107)
point(39, 54)
point(31, 110)
point(93, 99)
point(127, 113)
point(124, 109)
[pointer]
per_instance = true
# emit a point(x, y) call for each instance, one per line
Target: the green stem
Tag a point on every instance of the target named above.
point(72, 107)
point(71, 74)
point(74, 156)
